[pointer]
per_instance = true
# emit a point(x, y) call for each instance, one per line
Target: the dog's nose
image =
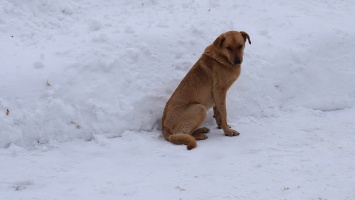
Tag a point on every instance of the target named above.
point(237, 61)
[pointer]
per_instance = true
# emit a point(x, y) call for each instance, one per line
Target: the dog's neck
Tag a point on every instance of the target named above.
point(211, 52)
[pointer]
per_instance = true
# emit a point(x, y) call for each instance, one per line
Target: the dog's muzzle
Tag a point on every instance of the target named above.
point(237, 61)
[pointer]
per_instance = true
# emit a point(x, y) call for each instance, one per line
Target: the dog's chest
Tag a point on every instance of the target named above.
point(227, 77)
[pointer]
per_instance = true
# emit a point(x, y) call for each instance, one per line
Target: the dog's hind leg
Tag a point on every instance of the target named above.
point(190, 119)
point(182, 126)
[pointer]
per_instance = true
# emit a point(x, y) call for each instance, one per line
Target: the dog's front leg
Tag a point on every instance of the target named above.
point(220, 112)
point(217, 117)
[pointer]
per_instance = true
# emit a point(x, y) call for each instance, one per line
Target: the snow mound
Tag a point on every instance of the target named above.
point(81, 69)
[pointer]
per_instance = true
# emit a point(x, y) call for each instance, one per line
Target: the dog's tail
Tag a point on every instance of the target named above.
point(180, 138)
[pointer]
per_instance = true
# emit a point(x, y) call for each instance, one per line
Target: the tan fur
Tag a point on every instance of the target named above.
point(205, 86)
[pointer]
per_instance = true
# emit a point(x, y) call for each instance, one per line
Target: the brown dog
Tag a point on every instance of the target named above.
point(205, 86)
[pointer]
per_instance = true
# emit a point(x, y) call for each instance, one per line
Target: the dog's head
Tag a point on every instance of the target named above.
point(231, 46)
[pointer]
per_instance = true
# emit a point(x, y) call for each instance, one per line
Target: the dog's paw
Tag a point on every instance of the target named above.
point(220, 126)
point(204, 136)
point(205, 130)
point(201, 130)
point(200, 136)
point(231, 133)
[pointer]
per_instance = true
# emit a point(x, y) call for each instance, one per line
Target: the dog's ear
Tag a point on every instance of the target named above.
point(245, 36)
point(219, 41)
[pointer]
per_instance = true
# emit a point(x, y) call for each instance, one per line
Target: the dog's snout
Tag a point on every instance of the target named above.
point(237, 61)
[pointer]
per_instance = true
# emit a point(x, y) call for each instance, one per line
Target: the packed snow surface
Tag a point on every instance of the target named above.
point(84, 84)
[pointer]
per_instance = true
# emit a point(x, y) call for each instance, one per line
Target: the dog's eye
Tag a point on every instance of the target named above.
point(240, 46)
point(229, 48)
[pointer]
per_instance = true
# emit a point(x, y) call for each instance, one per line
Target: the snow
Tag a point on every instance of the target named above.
point(85, 83)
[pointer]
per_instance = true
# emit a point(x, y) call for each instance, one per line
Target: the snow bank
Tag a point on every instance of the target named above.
point(86, 69)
